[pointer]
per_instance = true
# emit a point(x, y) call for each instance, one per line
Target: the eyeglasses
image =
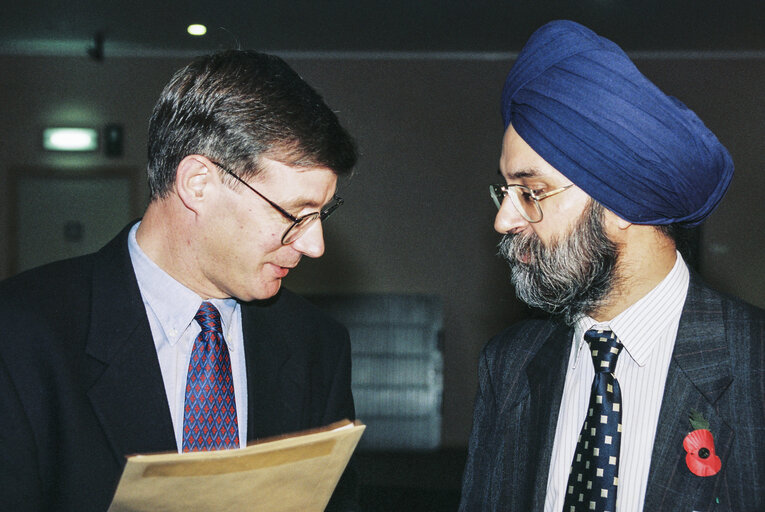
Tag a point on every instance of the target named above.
point(523, 198)
point(299, 224)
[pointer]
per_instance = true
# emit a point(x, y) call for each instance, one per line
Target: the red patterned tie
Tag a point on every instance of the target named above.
point(209, 413)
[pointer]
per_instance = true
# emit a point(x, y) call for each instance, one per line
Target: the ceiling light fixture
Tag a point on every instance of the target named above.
point(196, 29)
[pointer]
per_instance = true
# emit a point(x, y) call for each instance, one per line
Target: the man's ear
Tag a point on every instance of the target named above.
point(612, 220)
point(616, 227)
point(194, 178)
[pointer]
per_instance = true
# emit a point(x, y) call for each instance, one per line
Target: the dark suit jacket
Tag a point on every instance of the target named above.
point(716, 368)
point(81, 387)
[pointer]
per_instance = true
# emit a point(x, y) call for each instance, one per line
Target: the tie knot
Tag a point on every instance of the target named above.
point(604, 348)
point(208, 317)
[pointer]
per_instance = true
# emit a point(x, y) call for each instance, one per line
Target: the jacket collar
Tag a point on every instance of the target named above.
point(125, 381)
point(546, 376)
point(699, 376)
point(125, 387)
point(273, 387)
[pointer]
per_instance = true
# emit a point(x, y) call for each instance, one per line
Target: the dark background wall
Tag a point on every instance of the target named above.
point(417, 217)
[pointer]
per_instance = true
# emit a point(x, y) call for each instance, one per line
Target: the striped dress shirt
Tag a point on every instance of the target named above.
point(647, 329)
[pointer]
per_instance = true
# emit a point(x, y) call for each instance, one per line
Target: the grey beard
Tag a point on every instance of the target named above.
point(570, 277)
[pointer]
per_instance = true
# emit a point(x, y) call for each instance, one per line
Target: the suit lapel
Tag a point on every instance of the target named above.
point(125, 381)
point(546, 375)
point(698, 378)
point(125, 388)
point(272, 407)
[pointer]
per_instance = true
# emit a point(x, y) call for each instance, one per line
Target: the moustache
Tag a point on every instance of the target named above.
point(521, 249)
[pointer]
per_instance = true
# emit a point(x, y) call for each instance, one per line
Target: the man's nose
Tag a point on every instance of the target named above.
point(311, 243)
point(508, 219)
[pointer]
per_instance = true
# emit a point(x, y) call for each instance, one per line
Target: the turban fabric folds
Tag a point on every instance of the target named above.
point(583, 106)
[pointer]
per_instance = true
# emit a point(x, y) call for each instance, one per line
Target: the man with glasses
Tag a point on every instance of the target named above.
point(101, 356)
point(643, 389)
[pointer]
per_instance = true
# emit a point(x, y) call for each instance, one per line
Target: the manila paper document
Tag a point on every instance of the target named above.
point(296, 472)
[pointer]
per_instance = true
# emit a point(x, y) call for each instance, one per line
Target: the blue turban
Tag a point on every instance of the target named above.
point(583, 106)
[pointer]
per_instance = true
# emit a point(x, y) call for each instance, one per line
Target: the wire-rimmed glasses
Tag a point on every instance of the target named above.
point(299, 224)
point(524, 199)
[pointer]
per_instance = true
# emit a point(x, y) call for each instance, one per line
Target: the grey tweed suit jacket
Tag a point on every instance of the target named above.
point(717, 368)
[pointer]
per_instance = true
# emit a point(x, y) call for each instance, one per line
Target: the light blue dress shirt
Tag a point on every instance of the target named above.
point(170, 308)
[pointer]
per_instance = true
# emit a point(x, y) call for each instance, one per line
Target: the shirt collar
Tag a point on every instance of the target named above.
point(636, 326)
point(172, 303)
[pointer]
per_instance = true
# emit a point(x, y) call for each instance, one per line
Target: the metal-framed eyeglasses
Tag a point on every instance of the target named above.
point(524, 199)
point(299, 225)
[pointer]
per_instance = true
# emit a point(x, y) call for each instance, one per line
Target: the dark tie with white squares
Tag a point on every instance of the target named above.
point(594, 477)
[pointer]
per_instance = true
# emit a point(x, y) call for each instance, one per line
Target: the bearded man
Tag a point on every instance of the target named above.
point(644, 389)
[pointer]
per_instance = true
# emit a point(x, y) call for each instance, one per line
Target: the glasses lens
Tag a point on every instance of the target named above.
point(525, 203)
point(497, 195)
point(297, 229)
point(300, 226)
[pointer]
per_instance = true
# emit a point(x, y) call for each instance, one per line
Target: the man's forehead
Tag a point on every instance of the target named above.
point(281, 176)
point(298, 186)
point(274, 165)
point(523, 172)
point(519, 160)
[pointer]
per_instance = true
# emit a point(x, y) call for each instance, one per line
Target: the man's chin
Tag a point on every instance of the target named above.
point(263, 291)
point(271, 290)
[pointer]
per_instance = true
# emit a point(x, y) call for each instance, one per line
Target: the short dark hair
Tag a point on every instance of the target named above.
point(237, 106)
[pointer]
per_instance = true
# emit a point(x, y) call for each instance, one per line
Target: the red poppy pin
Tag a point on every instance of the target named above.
point(700, 445)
